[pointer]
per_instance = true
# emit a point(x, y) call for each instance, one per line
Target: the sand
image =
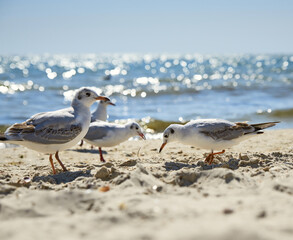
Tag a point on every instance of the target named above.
point(246, 194)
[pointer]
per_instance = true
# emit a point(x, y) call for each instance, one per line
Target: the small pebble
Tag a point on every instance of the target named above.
point(103, 173)
point(122, 206)
point(157, 188)
point(266, 169)
point(262, 214)
point(104, 189)
point(243, 157)
point(228, 211)
point(129, 163)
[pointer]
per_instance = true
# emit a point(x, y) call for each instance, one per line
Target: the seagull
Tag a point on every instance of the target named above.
point(100, 114)
point(213, 134)
point(51, 132)
point(104, 134)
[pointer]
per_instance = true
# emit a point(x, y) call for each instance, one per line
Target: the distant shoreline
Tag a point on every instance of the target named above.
point(3, 128)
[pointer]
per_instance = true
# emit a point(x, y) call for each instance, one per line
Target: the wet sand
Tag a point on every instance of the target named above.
point(246, 194)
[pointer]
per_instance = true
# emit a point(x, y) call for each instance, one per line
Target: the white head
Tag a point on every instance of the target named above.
point(106, 103)
point(86, 97)
point(135, 129)
point(170, 134)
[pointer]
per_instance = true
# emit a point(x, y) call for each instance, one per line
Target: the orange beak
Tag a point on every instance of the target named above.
point(161, 148)
point(110, 103)
point(142, 136)
point(102, 98)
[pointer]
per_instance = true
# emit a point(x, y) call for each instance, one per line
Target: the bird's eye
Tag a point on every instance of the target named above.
point(136, 128)
point(166, 136)
point(172, 130)
point(87, 94)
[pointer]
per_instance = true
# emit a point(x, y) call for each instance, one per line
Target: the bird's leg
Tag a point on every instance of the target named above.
point(59, 161)
point(52, 164)
point(101, 155)
point(210, 157)
point(219, 152)
point(81, 143)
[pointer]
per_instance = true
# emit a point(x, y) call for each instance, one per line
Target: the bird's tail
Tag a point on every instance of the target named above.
point(260, 126)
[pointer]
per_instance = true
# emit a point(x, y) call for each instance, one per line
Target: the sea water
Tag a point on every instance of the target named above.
point(155, 89)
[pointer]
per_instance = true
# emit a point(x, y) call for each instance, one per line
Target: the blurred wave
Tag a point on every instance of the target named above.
point(162, 87)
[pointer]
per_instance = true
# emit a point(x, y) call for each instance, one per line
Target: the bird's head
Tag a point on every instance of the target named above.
point(135, 129)
point(87, 97)
point(107, 102)
point(169, 135)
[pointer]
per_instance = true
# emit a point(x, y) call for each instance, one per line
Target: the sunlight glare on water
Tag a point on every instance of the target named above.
point(164, 87)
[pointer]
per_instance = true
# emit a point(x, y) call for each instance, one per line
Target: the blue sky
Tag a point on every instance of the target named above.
point(152, 26)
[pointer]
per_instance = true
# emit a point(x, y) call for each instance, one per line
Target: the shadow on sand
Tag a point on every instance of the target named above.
point(86, 150)
point(173, 166)
point(232, 164)
point(63, 177)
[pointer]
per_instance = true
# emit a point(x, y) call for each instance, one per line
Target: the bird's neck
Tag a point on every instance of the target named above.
point(123, 134)
point(81, 112)
point(100, 113)
point(179, 133)
point(126, 133)
point(184, 135)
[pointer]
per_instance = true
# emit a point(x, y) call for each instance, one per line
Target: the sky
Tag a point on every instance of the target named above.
point(140, 26)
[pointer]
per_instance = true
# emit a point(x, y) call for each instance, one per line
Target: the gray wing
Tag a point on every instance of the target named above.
point(212, 125)
point(226, 130)
point(56, 119)
point(99, 130)
point(50, 135)
point(46, 128)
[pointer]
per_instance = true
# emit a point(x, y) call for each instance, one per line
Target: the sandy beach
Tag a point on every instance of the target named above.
point(141, 194)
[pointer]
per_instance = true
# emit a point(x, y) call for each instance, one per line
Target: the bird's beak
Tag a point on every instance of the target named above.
point(110, 103)
point(141, 135)
point(102, 98)
point(163, 145)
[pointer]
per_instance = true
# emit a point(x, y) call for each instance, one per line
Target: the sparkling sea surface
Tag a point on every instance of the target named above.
point(152, 88)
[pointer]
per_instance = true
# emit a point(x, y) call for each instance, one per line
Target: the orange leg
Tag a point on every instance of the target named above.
point(210, 158)
point(61, 164)
point(81, 143)
point(52, 164)
point(101, 155)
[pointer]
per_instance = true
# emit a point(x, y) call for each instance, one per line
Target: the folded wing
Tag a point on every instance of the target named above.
point(46, 128)
point(98, 131)
point(226, 131)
